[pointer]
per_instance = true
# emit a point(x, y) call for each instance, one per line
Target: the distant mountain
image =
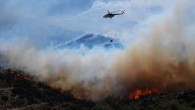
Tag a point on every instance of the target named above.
point(90, 41)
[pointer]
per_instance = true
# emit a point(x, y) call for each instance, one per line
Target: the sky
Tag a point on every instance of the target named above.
point(46, 20)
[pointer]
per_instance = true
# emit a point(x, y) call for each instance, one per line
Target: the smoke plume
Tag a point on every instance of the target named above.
point(162, 57)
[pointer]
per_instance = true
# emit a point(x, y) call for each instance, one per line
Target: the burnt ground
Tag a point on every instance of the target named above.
point(19, 91)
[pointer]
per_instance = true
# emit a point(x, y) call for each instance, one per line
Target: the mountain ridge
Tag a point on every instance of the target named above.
point(91, 41)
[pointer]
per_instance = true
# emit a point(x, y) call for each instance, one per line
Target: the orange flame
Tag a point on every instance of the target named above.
point(21, 76)
point(26, 78)
point(138, 93)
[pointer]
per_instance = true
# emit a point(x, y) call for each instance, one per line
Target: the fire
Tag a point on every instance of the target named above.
point(26, 78)
point(138, 93)
point(23, 77)
point(20, 75)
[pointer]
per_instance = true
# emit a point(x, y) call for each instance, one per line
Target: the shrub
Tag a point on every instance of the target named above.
point(4, 98)
point(171, 105)
point(102, 107)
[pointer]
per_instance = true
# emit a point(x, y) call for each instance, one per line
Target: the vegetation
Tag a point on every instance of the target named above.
point(17, 92)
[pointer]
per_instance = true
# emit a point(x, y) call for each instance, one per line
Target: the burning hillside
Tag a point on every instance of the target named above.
point(20, 91)
point(139, 93)
point(17, 92)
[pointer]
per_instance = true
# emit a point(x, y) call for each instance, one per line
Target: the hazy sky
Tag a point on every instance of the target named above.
point(66, 19)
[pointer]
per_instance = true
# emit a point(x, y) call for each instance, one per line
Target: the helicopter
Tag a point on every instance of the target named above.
point(112, 14)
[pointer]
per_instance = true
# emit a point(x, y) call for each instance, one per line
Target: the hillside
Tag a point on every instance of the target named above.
point(20, 91)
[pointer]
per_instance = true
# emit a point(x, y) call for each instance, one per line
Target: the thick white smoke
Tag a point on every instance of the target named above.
point(89, 75)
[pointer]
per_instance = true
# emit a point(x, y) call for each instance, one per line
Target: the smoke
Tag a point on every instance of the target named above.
point(89, 75)
point(162, 57)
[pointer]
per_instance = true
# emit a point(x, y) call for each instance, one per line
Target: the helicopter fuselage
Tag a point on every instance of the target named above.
point(111, 15)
